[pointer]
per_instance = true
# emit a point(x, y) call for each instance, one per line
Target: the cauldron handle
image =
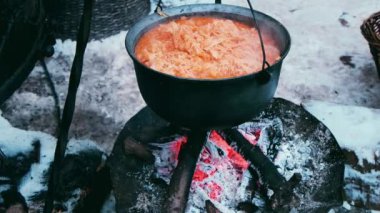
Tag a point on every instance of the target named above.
point(260, 37)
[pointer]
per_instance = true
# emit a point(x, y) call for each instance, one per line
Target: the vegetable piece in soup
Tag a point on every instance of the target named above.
point(204, 48)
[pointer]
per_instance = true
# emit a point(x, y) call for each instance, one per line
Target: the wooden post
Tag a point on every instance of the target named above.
point(183, 174)
point(68, 110)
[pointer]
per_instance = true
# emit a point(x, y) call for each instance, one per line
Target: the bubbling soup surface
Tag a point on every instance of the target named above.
point(204, 48)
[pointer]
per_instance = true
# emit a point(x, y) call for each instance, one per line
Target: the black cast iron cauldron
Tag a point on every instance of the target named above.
point(206, 104)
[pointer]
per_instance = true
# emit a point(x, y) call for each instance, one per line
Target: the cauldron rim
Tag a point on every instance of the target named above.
point(154, 19)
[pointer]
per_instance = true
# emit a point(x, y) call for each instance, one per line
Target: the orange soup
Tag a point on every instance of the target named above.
point(204, 48)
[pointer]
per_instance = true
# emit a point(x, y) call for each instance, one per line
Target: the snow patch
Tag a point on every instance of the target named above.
point(346, 205)
point(3, 122)
point(354, 191)
point(74, 198)
point(355, 128)
point(14, 141)
point(76, 146)
point(109, 204)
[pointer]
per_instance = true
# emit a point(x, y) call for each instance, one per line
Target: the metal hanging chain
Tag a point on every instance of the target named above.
point(68, 110)
point(260, 36)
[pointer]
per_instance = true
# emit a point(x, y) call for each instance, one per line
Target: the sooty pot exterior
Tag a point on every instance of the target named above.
point(206, 104)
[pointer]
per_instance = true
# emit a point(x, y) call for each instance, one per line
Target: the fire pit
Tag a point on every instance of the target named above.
point(284, 159)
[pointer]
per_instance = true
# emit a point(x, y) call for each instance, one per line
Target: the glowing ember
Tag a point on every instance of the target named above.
point(218, 174)
point(218, 163)
point(221, 174)
point(236, 159)
point(167, 156)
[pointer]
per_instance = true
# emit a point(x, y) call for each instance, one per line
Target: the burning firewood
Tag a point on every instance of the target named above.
point(267, 169)
point(181, 180)
point(284, 196)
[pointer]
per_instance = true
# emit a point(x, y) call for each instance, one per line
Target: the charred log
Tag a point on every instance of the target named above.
point(183, 174)
point(283, 199)
point(254, 154)
point(97, 191)
point(247, 207)
point(283, 190)
point(259, 187)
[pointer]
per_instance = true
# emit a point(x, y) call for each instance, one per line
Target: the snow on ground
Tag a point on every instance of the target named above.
point(369, 189)
point(313, 69)
point(14, 141)
point(355, 128)
point(109, 204)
